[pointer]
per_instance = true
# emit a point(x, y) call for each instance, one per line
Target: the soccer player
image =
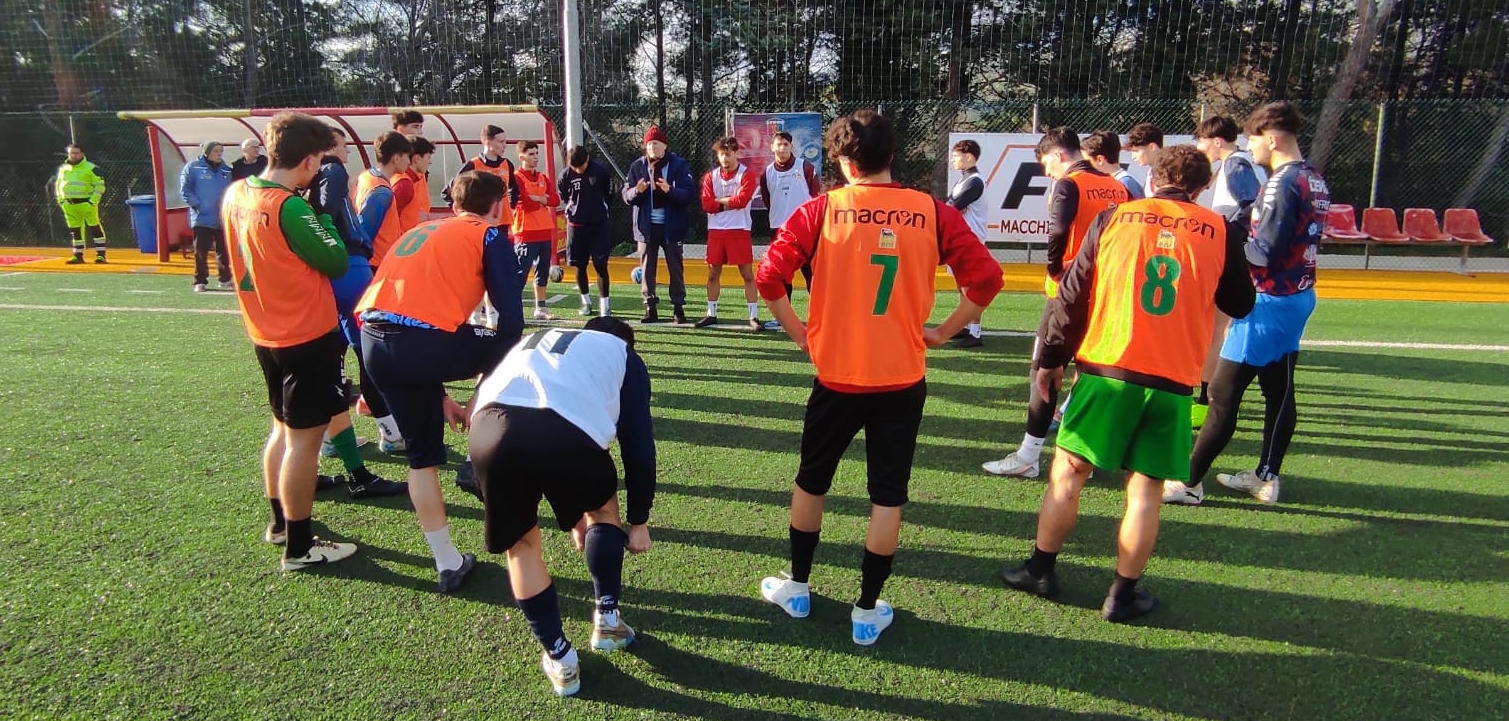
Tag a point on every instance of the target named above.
point(330, 195)
point(1287, 222)
point(872, 290)
point(417, 176)
point(660, 187)
point(408, 123)
point(1237, 183)
point(1080, 192)
point(585, 186)
point(727, 191)
point(78, 190)
point(252, 161)
point(414, 339)
point(491, 161)
point(382, 190)
point(1144, 141)
point(283, 258)
point(1103, 149)
point(786, 183)
point(1133, 311)
point(534, 223)
point(542, 425)
point(202, 185)
point(965, 197)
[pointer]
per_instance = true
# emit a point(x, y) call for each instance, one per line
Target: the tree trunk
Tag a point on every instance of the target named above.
point(64, 80)
point(1278, 72)
point(249, 51)
point(659, 67)
point(1370, 17)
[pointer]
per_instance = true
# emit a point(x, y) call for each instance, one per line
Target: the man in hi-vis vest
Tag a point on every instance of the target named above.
point(1133, 311)
point(78, 190)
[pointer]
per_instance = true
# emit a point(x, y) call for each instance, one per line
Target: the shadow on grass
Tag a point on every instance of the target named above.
point(1380, 366)
point(1369, 629)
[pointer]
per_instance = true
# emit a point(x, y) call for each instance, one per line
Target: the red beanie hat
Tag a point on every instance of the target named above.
point(655, 133)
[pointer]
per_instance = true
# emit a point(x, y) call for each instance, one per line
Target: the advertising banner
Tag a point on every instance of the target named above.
point(754, 131)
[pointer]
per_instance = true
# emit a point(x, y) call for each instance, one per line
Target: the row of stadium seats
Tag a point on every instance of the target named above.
point(1381, 227)
point(1420, 226)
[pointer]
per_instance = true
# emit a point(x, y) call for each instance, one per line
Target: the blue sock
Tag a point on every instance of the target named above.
point(604, 548)
point(543, 611)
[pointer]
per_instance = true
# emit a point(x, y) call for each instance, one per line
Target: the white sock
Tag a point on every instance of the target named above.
point(607, 618)
point(1032, 447)
point(603, 305)
point(447, 558)
point(974, 329)
point(1065, 405)
point(754, 310)
point(712, 307)
point(388, 428)
point(587, 299)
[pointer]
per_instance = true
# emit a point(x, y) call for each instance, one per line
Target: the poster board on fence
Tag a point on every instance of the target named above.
point(1016, 190)
point(754, 131)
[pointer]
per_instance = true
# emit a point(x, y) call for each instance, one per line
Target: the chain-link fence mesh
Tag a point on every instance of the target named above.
point(1434, 154)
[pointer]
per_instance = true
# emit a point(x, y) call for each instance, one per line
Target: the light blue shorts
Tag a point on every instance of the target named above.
point(1271, 331)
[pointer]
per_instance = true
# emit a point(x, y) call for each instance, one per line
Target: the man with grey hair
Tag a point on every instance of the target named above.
point(251, 162)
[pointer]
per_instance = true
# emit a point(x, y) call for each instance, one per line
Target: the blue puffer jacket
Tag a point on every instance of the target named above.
point(684, 192)
point(202, 185)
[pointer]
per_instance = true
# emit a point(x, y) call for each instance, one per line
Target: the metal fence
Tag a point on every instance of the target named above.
point(1432, 154)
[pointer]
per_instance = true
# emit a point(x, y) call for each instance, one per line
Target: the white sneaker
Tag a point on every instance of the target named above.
point(868, 624)
point(542, 314)
point(276, 538)
point(200, 287)
point(320, 553)
point(1265, 490)
point(1012, 465)
point(793, 598)
point(565, 674)
point(1177, 492)
point(609, 632)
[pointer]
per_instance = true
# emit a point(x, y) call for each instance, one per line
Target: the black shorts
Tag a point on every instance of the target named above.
point(306, 383)
point(522, 454)
point(411, 366)
point(537, 254)
point(589, 242)
point(890, 421)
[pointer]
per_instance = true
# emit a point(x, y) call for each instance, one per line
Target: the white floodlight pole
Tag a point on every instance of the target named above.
point(571, 43)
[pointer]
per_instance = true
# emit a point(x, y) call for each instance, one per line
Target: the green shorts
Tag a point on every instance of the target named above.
point(1116, 424)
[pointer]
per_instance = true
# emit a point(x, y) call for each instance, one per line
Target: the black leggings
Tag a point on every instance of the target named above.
point(1039, 409)
point(1227, 387)
point(600, 265)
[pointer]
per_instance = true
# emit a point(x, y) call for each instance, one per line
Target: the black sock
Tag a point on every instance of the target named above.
point(300, 538)
point(604, 549)
point(543, 611)
point(278, 523)
point(1123, 588)
point(874, 569)
point(1204, 397)
point(360, 475)
point(1041, 562)
point(803, 548)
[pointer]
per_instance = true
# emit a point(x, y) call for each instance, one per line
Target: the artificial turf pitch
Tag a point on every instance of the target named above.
point(138, 587)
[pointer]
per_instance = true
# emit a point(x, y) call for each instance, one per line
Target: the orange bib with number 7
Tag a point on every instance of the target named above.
point(872, 286)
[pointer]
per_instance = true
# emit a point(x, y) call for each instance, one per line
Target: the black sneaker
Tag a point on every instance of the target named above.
point(322, 481)
point(450, 581)
point(678, 316)
point(466, 479)
point(650, 316)
point(961, 335)
point(1122, 611)
point(75, 260)
point(378, 487)
point(100, 260)
point(1022, 580)
point(969, 341)
point(706, 321)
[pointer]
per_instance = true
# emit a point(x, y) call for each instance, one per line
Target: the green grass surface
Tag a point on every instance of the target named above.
point(138, 588)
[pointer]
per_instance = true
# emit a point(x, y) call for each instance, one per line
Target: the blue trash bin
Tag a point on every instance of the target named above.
point(144, 221)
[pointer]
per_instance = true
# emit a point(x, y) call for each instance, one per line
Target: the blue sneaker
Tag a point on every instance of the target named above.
point(328, 451)
point(869, 623)
point(392, 447)
point(793, 598)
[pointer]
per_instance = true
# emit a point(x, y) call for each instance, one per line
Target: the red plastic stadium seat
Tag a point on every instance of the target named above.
point(1382, 225)
point(1463, 227)
point(1341, 223)
point(1421, 226)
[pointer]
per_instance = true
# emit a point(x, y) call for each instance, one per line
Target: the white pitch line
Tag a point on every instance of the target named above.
point(144, 292)
point(74, 290)
point(7, 275)
point(11, 287)
point(117, 309)
point(1404, 346)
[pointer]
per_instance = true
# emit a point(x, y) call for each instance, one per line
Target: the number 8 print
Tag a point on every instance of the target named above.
point(1158, 286)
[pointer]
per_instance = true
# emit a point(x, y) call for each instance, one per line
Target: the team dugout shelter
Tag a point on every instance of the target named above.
point(175, 136)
